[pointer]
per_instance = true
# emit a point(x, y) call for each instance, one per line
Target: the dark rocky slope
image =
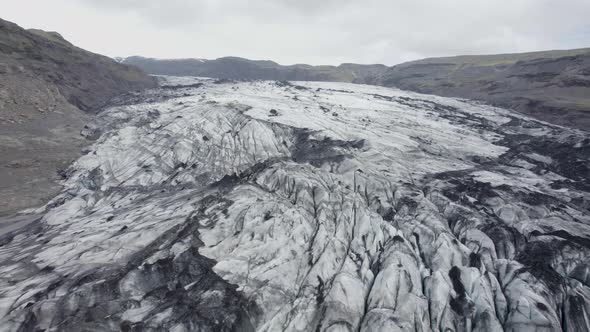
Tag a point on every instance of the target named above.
point(553, 86)
point(48, 88)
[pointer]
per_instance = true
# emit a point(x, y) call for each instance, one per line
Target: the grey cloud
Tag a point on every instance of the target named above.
point(332, 31)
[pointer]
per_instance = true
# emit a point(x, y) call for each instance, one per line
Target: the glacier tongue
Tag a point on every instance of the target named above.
point(265, 206)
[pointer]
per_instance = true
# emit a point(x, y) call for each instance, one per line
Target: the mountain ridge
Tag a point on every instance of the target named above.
point(233, 67)
point(509, 55)
point(553, 85)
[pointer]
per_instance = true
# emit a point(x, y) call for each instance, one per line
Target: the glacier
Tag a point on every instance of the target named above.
point(218, 205)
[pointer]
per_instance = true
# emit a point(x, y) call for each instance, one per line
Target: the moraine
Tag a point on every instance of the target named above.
point(272, 206)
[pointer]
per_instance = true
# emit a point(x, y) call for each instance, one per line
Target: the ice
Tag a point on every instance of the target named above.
point(307, 206)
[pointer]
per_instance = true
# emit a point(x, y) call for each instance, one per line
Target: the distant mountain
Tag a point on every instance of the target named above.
point(48, 88)
point(552, 85)
point(239, 68)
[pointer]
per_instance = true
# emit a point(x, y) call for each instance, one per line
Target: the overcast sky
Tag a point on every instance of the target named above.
point(309, 31)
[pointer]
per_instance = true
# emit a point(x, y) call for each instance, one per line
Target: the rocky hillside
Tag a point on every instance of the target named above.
point(552, 86)
point(244, 69)
point(48, 88)
point(267, 206)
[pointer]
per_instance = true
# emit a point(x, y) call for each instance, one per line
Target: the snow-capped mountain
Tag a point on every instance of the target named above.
point(272, 206)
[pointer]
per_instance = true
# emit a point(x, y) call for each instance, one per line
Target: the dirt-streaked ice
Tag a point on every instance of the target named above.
point(276, 206)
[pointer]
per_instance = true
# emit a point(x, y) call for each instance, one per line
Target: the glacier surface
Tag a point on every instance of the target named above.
point(211, 205)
